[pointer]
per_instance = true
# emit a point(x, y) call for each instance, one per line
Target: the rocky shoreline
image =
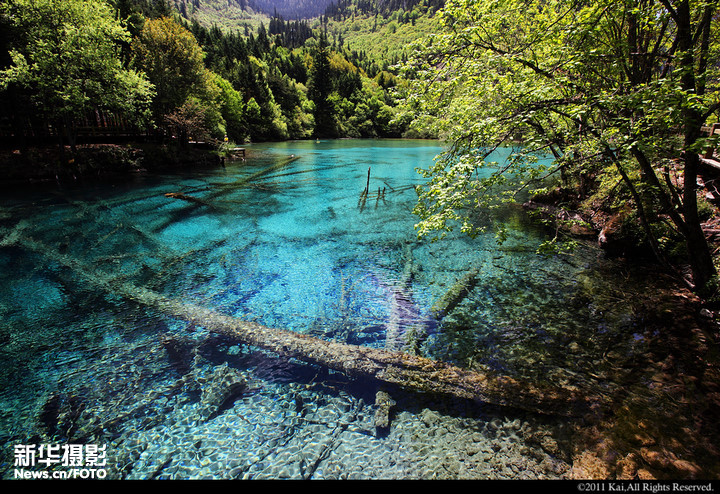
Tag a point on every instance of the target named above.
point(661, 441)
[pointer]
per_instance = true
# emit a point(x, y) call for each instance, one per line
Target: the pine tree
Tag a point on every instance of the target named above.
point(321, 88)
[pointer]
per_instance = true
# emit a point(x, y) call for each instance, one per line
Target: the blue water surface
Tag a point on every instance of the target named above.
point(285, 239)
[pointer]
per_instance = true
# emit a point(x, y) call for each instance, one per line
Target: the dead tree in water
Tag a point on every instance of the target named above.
point(364, 193)
point(396, 368)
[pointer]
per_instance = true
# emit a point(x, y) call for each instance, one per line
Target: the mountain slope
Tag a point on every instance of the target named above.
point(232, 13)
point(291, 9)
point(382, 30)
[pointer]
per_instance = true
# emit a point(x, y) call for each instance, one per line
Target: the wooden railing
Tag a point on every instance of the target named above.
point(95, 127)
point(711, 130)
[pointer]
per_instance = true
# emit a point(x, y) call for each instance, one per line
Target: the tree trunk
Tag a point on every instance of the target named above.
point(701, 263)
point(700, 257)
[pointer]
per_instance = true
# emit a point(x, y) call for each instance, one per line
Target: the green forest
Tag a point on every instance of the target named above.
point(157, 72)
point(66, 61)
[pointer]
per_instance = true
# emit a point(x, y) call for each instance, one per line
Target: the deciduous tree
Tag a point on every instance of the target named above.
point(172, 59)
point(65, 62)
point(609, 89)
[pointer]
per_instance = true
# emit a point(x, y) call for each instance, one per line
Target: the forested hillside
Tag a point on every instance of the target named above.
point(381, 30)
point(409, 9)
point(232, 14)
point(290, 9)
point(162, 71)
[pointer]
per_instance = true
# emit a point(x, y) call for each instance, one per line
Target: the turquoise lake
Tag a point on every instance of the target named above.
point(290, 244)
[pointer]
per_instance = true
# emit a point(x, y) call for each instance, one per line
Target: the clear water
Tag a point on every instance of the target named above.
point(290, 247)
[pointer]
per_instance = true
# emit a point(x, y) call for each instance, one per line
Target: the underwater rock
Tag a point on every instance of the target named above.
point(588, 466)
point(299, 404)
point(50, 414)
point(179, 354)
point(384, 403)
point(627, 467)
point(60, 415)
point(220, 390)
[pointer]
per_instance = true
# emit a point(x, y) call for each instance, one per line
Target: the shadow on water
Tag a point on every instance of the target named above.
point(291, 249)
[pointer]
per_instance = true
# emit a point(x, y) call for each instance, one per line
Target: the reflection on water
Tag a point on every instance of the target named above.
point(290, 243)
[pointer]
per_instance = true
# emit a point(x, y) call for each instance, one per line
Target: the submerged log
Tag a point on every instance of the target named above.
point(457, 293)
point(265, 171)
point(223, 188)
point(184, 197)
point(396, 368)
point(407, 327)
point(220, 189)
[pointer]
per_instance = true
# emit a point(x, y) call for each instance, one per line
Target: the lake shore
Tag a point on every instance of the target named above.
point(97, 161)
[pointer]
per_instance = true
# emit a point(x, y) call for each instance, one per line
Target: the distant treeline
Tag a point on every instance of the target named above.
point(290, 9)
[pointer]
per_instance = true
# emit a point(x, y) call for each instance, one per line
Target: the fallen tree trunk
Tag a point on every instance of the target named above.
point(457, 293)
point(220, 189)
point(395, 368)
point(265, 171)
point(184, 197)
